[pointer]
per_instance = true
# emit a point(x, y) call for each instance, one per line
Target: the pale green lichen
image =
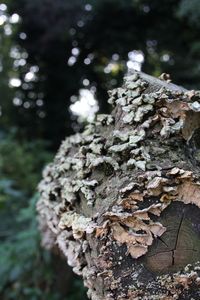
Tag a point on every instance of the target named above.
point(79, 224)
point(105, 119)
point(106, 169)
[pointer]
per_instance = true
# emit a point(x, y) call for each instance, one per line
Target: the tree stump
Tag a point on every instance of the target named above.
point(122, 199)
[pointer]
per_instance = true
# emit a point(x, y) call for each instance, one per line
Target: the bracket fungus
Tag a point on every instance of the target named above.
point(122, 199)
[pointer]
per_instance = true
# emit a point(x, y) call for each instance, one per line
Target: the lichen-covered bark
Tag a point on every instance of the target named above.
point(122, 199)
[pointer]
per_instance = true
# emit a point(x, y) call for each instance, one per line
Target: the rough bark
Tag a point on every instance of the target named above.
point(122, 199)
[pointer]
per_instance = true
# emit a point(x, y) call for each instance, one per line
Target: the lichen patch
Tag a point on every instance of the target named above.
point(103, 197)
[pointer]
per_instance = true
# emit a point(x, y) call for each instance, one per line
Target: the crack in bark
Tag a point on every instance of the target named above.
point(159, 253)
point(176, 242)
point(169, 251)
point(163, 242)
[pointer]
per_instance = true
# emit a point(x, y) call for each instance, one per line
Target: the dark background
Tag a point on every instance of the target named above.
point(54, 53)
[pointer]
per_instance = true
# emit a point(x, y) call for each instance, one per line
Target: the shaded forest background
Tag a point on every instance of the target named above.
point(58, 58)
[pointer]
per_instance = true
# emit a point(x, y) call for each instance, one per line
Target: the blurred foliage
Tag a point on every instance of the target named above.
point(70, 41)
point(26, 270)
point(66, 42)
point(21, 162)
point(49, 50)
point(191, 11)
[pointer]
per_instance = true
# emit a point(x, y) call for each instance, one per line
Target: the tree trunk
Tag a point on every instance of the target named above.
point(121, 200)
